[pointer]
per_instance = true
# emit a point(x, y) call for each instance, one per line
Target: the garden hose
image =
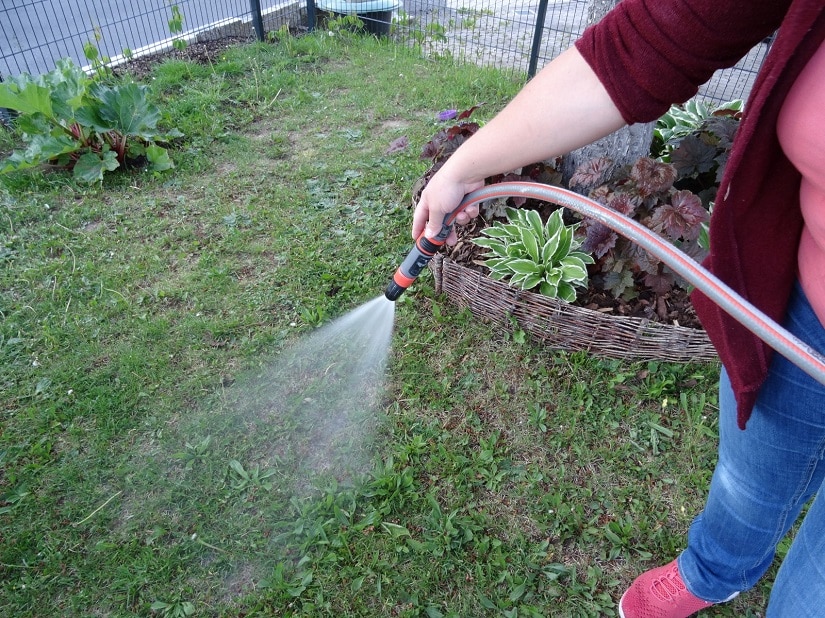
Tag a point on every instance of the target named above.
point(791, 347)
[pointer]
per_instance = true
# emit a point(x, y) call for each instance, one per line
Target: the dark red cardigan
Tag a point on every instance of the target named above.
point(652, 53)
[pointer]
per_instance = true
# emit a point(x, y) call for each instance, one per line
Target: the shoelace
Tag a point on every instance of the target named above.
point(667, 588)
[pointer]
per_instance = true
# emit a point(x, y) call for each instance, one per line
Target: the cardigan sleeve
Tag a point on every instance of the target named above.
point(650, 54)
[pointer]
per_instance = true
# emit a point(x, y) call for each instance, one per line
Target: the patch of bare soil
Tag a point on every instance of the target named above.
point(201, 52)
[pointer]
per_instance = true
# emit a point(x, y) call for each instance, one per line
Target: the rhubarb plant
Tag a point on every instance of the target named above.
point(73, 121)
point(533, 254)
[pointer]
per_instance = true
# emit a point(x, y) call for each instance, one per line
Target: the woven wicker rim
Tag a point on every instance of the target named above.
point(564, 326)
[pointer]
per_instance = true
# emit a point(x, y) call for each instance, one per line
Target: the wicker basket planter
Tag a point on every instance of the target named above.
point(564, 326)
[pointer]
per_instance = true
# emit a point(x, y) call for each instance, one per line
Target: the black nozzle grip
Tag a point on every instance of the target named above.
point(416, 260)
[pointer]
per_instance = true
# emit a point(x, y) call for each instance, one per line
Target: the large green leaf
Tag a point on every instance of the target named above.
point(534, 220)
point(496, 231)
point(47, 147)
point(584, 257)
point(516, 250)
point(55, 94)
point(68, 84)
point(530, 242)
point(41, 147)
point(573, 269)
point(553, 276)
point(566, 292)
point(90, 167)
point(554, 222)
point(548, 289)
point(515, 215)
point(494, 245)
point(35, 124)
point(26, 98)
point(565, 242)
point(125, 108)
point(551, 247)
point(531, 281)
point(511, 229)
point(517, 281)
point(524, 267)
point(159, 160)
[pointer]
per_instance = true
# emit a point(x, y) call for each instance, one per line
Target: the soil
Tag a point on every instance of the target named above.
point(201, 52)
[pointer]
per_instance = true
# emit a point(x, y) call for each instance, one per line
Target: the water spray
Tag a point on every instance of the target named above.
point(791, 347)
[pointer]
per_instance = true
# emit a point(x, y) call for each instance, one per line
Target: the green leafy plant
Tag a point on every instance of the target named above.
point(671, 192)
point(535, 254)
point(682, 120)
point(176, 27)
point(175, 609)
point(696, 139)
point(253, 478)
point(91, 52)
point(70, 120)
point(195, 454)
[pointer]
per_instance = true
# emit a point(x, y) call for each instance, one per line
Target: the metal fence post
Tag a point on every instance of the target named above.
point(311, 15)
point(257, 18)
point(537, 36)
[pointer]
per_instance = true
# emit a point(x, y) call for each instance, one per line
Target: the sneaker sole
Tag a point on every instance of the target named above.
point(621, 601)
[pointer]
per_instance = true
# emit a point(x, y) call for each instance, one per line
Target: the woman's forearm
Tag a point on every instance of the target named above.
point(563, 108)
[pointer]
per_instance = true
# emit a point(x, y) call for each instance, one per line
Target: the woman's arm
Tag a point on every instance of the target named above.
point(563, 108)
point(642, 57)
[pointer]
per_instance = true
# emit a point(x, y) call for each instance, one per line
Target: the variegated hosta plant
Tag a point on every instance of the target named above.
point(530, 254)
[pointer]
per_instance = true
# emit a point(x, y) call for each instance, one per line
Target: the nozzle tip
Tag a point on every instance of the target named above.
point(393, 291)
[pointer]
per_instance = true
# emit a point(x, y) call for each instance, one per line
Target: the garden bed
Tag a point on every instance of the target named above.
point(562, 325)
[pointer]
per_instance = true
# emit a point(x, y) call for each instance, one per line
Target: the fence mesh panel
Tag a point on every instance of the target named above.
point(502, 33)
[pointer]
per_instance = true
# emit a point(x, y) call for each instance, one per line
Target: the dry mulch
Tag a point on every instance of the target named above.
point(200, 52)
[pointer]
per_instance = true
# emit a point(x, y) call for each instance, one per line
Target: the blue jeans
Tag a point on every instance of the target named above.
point(763, 478)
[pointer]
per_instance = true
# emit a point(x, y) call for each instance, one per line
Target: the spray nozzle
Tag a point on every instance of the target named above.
point(420, 255)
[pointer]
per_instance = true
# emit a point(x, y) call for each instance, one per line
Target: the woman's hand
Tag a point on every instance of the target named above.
point(441, 196)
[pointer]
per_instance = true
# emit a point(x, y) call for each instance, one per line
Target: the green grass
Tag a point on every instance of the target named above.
point(144, 324)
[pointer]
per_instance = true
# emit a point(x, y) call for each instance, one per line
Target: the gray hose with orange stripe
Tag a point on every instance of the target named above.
point(791, 347)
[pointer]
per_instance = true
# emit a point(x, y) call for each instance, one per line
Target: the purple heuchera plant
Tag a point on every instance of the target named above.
point(645, 192)
point(669, 194)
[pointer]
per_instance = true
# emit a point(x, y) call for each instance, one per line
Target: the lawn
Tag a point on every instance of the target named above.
point(188, 429)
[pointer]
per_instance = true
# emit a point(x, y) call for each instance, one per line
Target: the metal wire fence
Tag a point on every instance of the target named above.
point(508, 34)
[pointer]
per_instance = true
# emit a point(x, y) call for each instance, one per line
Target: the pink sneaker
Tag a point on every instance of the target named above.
point(660, 593)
